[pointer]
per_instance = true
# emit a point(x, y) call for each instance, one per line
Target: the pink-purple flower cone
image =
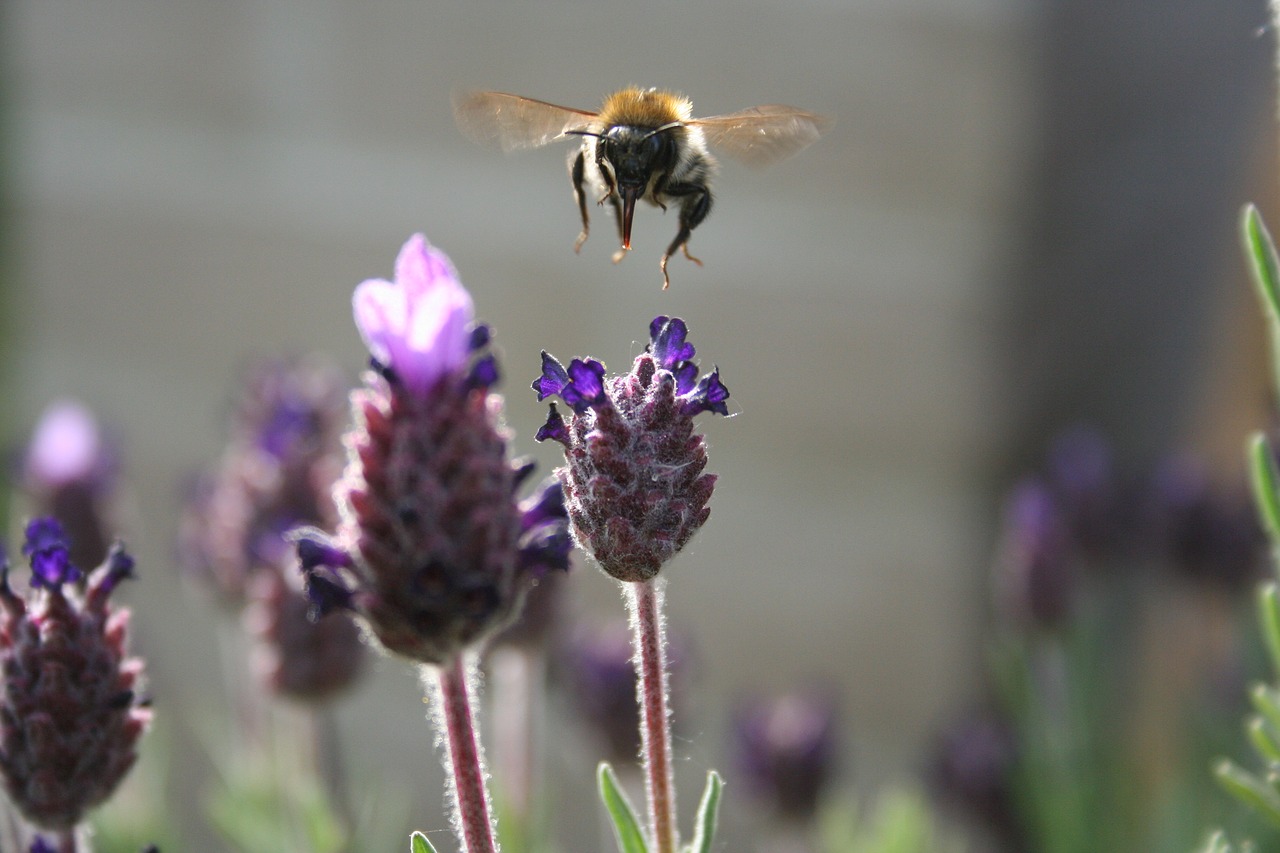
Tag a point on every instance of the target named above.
point(434, 550)
point(70, 713)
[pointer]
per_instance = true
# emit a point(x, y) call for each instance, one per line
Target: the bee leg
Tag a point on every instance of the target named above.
point(694, 208)
point(577, 173)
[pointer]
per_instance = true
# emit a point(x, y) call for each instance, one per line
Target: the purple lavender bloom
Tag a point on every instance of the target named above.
point(1036, 575)
point(785, 749)
point(975, 770)
point(276, 473)
point(70, 713)
point(434, 551)
point(1202, 532)
point(40, 845)
point(634, 482)
point(69, 471)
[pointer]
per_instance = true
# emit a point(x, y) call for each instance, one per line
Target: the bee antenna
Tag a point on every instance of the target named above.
point(583, 133)
point(668, 126)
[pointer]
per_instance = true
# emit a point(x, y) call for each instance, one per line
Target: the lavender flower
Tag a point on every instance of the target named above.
point(433, 550)
point(634, 482)
point(1036, 573)
point(276, 473)
point(70, 714)
point(69, 472)
point(785, 747)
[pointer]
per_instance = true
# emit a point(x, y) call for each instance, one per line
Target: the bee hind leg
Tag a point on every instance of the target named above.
point(694, 208)
point(577, 174)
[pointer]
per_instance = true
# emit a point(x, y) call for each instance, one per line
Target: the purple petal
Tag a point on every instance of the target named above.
point(709, 396)
point(315, 549)
point(668, 343)
point(119, 567)
point(481, 336)
point(484, 373)
point(553, 378)
point(325, 595)
point(586, 384)
point(546, 504)
point(420, 326)
point(546, 549)
point(686, 375)
point(48, 549)
point(554, 429)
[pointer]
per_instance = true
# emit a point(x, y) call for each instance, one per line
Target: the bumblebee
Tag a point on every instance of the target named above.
point(643, 144)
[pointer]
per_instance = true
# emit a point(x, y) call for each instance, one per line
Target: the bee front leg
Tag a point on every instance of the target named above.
point(694, 207)
point(577, 174)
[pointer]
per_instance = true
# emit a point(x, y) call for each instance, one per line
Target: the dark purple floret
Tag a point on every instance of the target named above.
point(315, 549)
point(484, 373)
point(326, 595)
point(46, 544)
point(481, 336)
point(39, 845)
point(553, 378)
point(975, 769)
point(546, 504)
point(586, 385)
point(668, 344)
point(119, 567)
point(708, 396)
point(554, 429)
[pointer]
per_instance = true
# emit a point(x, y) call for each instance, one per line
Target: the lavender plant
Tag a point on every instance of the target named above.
point(1261, 791)
point(434, 549)
point(71, 714)
point(636, 492)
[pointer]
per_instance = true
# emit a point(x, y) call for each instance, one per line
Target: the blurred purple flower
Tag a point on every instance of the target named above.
point(785, 749)
point(1035, 571)
point(70, 713)
point(434, 550)
point(974, 768)
point(634, 482)
point(1202, 532)
point(69, 470)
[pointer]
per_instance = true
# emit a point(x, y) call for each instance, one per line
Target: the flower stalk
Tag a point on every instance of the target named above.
point(644, 603)
point(466, 767)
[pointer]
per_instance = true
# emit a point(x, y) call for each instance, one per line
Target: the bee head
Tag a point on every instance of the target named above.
point(631, 157)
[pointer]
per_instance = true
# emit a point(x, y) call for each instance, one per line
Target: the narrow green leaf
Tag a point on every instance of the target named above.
point(625, 826)
point(1263, 737)
point(1261, 251)
point(1269, 620)
point(1266, 702)
point(1265, 481)
point(705, 829)
point(1250, 790)
point(418, 843)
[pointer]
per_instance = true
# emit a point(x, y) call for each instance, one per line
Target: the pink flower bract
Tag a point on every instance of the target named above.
point(419, 325)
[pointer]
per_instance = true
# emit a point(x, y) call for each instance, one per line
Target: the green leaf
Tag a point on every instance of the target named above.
point(418, 843)
point(1250, 790)
point(1269, 620)
point(1261, 251)
point(705, 830)
point(625, 826)
point(1264, 479)
point(1263, 737)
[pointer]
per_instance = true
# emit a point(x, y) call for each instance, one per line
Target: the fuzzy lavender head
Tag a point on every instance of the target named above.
point(634, 482)
point(69, 471)
point(434, 550)
point(70, 713)
point(276, 473)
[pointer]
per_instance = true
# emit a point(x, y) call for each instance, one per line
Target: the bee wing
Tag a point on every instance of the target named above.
point(762, 135)
point(513, 122)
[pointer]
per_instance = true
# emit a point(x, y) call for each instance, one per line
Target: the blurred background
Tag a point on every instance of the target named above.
point(1023, 218)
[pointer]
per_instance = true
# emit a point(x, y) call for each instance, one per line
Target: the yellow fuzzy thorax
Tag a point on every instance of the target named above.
point(635, 107)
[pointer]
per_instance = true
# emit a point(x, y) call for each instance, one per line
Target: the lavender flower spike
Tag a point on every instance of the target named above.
point(633, 479)
point(433, 551)
point(70, 713)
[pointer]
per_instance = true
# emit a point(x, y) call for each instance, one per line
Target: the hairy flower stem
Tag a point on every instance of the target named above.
point(66, 841)
point(644, 601)
point(470, 799)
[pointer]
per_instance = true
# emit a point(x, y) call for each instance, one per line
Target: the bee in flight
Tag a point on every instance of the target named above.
point(643, 144)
